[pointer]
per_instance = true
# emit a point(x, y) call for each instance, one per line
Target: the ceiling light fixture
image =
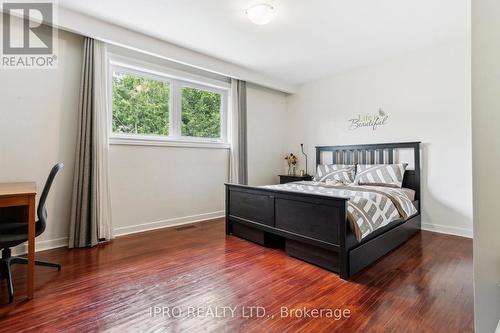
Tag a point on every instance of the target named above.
point(261, 13)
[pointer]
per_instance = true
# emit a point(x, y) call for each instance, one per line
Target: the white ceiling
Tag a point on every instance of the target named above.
point(308, 39)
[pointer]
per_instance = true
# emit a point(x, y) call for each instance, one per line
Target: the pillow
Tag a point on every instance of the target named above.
point(335, 173)
point(390, 175)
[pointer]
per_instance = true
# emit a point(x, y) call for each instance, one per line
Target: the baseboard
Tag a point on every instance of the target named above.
point(41, 245)
point(63, 242)
point(167, 223)
point(444, 229)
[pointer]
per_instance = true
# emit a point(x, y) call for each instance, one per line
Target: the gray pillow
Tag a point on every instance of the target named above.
point(335, 173)
point(390, 175)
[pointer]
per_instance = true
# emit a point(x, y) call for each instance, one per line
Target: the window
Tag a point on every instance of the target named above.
point(200, 113)
point(140, 105)
point(158, 106)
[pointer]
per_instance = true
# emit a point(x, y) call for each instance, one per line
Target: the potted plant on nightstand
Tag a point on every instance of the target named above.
point(292, 160)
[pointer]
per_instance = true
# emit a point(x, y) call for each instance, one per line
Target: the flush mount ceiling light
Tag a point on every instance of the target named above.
point(261, 13)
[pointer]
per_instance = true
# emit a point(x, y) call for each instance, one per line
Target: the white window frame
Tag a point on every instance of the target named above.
point(176, 80)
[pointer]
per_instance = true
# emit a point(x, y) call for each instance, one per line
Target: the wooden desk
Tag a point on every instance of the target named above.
point(23, 194)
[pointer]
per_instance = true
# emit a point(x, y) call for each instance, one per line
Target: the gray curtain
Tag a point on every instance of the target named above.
point(83, 227)
point(242, 132)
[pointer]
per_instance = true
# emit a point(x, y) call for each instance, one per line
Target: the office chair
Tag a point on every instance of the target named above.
point(13, 234)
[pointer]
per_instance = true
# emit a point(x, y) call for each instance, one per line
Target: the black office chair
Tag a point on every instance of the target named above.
point(13, 234)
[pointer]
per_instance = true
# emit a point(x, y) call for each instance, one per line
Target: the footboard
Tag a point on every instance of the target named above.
point(310, 227)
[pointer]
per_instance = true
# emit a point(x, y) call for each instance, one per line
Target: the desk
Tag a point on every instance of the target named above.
point(23, 194)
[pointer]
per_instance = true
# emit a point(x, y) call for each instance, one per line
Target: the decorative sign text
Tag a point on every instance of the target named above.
point(369, 120)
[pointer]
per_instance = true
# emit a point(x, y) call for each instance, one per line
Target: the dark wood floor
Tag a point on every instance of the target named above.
point(425, 285)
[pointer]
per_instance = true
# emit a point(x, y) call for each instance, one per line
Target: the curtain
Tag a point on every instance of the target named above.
point(238, 169)
point(90, 220)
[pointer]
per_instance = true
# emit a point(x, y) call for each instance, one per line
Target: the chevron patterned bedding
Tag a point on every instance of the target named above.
point(390, 175)
point(335, 173)
point(369, 207)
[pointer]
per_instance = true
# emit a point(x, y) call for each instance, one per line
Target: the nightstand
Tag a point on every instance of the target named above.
point(293, 178)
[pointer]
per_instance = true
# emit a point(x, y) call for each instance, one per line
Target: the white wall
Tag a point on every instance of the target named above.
point(38, 121)
point(485, 144)
point(425, 95)
point(153, 187)
point(266, 131)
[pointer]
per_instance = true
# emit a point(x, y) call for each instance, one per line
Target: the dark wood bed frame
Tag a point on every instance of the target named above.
point(315, 228)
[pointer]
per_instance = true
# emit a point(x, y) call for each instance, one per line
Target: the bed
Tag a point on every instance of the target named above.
point(314, 227)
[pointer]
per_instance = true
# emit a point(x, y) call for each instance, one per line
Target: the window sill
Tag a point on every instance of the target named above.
point(167, 143)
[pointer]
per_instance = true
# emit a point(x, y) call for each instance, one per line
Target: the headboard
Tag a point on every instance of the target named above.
point(380, 153)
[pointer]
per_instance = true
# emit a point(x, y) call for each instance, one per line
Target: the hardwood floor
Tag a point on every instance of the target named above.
point(423, 286)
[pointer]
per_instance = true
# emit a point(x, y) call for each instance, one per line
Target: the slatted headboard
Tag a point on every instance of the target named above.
point(380, 153)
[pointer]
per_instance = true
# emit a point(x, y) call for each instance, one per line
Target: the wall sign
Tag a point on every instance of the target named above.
point(373, 121)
